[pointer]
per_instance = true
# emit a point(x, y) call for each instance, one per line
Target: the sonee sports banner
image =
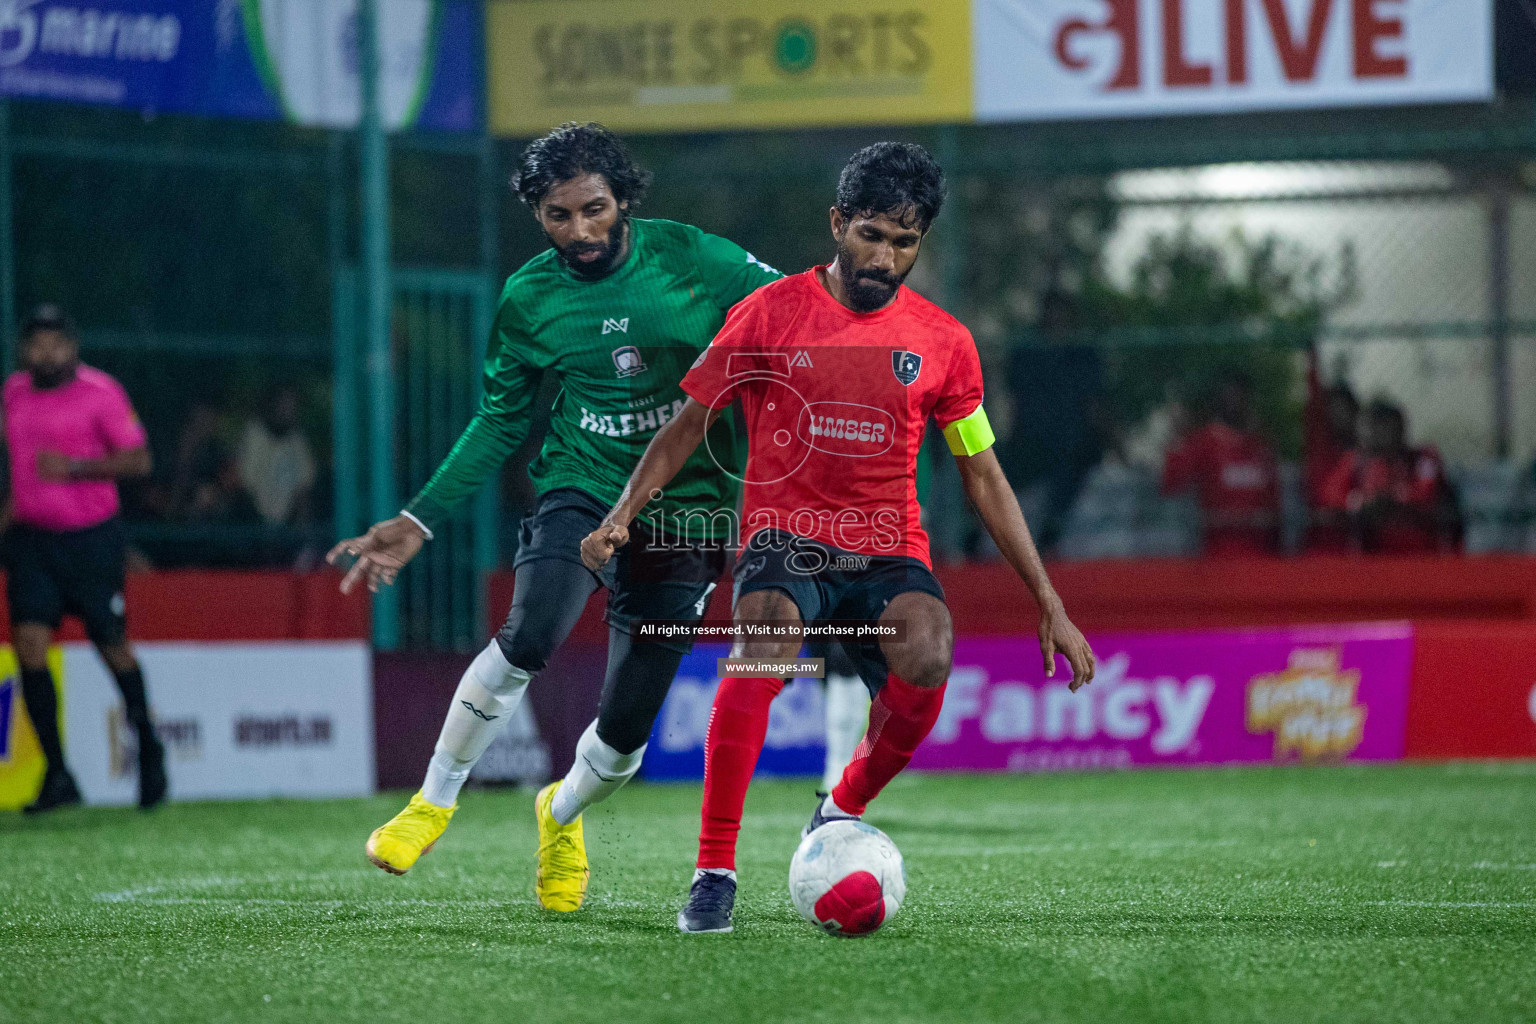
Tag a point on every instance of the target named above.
point(668, 65)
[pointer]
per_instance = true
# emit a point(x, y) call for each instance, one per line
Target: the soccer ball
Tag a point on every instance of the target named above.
point(847, 878)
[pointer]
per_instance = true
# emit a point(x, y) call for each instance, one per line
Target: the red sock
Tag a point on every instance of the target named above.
point(899, 719)
point(738, 724)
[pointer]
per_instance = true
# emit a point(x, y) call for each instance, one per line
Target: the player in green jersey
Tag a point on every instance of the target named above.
point(618, 309)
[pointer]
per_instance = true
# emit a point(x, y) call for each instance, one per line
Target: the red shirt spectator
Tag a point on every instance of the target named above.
point(1232, 470)
point(1397, 498)
point(1330, 419)
point(1234, 475)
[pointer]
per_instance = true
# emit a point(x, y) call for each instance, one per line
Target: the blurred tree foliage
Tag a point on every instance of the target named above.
point(1196, 309)
point(1189, 310)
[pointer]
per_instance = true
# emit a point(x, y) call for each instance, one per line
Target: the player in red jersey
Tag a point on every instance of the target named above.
point(837, 371)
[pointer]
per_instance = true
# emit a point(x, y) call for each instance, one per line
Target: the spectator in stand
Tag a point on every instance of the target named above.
point(1332, 415)
point(1396, 499)
point(1232, 470)
point(216, 494)
point(198, 447)
point(276, 463)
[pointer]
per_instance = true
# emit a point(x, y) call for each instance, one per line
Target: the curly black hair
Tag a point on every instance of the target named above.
point(572, 150)
point(49, 317)
point(896, 178)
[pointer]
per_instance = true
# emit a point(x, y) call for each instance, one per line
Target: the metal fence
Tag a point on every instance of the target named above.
point(1104, 270)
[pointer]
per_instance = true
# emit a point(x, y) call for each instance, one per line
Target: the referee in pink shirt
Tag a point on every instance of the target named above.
point(72, 434)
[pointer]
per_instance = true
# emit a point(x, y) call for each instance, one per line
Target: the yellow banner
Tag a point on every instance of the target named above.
point(680, 65)
point(21, 760)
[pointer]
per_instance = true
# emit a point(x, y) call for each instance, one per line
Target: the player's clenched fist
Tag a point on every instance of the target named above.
point(601, 543)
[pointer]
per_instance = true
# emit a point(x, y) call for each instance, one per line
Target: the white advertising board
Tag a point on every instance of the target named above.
point(239, 720)
point(1049, 59)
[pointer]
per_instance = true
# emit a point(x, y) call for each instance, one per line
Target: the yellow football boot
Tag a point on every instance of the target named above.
point(561, 880)
point(400, 842)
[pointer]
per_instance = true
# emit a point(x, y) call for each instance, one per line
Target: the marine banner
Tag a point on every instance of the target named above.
point(664, 65)
point(292, 60)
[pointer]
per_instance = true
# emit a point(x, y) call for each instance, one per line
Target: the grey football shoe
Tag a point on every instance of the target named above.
point(711, 900)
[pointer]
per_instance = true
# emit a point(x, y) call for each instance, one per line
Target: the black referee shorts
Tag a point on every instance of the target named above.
point(79, 572)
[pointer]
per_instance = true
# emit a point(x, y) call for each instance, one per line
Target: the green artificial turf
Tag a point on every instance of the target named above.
point(1325, 894)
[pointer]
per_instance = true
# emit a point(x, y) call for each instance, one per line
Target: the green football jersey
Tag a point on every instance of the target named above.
point(619, 346)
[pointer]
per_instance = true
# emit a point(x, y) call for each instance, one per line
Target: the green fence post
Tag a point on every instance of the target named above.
point(7, 246)
point(378, 302)
point(487, 503)
point(945, 494)
point(346, 432)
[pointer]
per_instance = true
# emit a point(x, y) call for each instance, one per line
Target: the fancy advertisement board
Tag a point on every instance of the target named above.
point(1305, 694)
point(1324, 693)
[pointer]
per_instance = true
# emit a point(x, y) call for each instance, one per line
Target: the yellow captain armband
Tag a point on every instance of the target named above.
point(970, 435)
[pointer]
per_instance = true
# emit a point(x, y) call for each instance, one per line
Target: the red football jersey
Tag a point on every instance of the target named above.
point(1235, 476)
point(835, 404)
point(1417, 480)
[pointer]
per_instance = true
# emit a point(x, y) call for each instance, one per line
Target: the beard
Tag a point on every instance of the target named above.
point(868, 290)
point(45, 378)
point(607, 252)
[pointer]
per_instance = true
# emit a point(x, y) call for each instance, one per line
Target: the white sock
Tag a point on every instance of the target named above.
point(847, 719)
point(488, 693)
point(598, 773)
point(699, 873)
point(829, 809)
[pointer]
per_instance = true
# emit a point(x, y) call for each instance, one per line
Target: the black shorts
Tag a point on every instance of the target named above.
point(79, 572)
point(835, 660)
point(829, 583)
point(645, 581)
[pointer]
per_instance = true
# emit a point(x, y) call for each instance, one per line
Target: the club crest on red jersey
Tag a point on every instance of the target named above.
point(906, 365)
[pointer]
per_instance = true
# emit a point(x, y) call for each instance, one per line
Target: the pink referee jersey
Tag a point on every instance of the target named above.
point(88, 418)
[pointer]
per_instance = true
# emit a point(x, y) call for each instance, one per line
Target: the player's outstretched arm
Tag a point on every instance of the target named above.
point(494, 432)
point(988, 489)
point(664, 456)
point(380, 553)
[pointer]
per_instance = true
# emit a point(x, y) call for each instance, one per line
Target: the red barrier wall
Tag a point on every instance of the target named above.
point(1473, 690)
point(209, 605)
point(988, 599)
point(1187, 594)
